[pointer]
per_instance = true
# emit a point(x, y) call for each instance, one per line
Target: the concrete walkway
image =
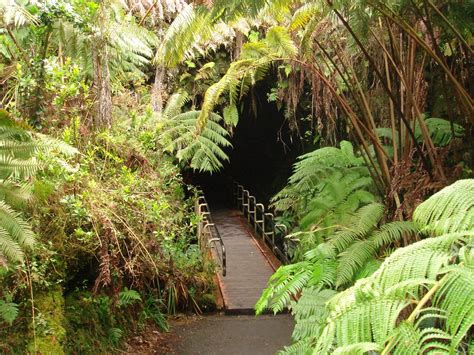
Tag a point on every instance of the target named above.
point(236, 335)
point(248, 270)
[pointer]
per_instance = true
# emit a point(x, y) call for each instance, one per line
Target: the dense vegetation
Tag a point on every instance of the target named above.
point(104, 104)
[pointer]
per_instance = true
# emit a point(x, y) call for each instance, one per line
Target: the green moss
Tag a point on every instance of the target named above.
point(49, 321)
point(86, 327)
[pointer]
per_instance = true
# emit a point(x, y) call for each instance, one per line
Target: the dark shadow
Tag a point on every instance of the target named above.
point(262, 156)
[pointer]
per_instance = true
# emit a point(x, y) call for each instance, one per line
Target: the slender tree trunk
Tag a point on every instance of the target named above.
point(36, 109)
point(100, 58)
point(239, 42)
point(158, 88)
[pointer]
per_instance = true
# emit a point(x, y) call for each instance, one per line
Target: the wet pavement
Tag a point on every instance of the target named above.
point(233, 335)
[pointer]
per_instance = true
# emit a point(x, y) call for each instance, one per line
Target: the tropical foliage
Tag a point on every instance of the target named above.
point(17, 166)
point(111, 109)
point(417, 300)
point(203, 151)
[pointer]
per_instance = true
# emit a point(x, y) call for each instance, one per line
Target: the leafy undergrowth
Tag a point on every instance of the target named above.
point(115, 250)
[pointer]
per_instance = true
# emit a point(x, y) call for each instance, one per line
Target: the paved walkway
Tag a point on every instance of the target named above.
point(247, 269)
point(237, 335)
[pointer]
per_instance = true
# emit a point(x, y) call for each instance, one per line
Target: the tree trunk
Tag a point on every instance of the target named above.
point(103, 117)
point(37, 107)
point(157, 90)
point(239, 42)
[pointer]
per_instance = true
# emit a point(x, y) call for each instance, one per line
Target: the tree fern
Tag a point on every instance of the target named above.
point(418, 301)
point(338, 262)
point(339, 234)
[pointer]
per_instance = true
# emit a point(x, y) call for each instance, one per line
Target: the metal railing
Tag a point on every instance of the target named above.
point(273, 234)
point(208, 235)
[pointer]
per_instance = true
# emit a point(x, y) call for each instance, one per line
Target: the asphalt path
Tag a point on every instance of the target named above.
point(233, 335)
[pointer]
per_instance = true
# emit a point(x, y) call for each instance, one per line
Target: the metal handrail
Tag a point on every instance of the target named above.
point(208, 234)
point(273, 234)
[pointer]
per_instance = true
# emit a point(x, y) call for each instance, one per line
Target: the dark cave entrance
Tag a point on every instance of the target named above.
point(264, 150)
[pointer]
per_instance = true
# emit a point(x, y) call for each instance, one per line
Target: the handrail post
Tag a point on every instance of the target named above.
point(245, 202)
point(261, 221)
point(272, 232)
point(207, 233)
point(251, 211)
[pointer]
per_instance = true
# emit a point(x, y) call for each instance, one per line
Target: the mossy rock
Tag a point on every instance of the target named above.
point(49, 323)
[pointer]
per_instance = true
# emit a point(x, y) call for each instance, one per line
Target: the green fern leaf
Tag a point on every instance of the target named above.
point(8, 311)
point(449, 210)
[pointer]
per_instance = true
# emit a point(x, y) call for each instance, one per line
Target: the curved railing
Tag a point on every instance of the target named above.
point(208, 235)
point(274, 234)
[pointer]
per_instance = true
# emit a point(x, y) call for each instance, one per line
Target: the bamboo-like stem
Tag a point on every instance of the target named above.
point(426, 163)
point(370, 163)
point(392, 113)
point(356, 94)
point(32, 300)
point(451, 26)
point(410, 31)
point(148, 13)
point(407, 81)
point(343, 104)
point(18, 47)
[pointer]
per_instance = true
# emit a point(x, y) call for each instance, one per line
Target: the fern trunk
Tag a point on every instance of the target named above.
point(157, 90)
point(100, 58)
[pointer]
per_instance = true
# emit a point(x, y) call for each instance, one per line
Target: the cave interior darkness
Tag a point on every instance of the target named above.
point(262, 155)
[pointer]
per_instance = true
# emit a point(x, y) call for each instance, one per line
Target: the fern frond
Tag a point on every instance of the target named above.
point(441, 131)
point(410, 339)
point(455, 297)
point(304, 14)
point(9, 248)
point(364, 221)
point(8, 311)
point(14, 194)
point(203, 152)
point(394, 232)
point(421, 260)
point(357, 349)
point(49, 145)
point(310, 311)
point(175, 104)
point(278, 41)
point(18, 150)
point(128, 297)
point(449, 210)
point(17, 168)
point(16, 227)
point(191, 26)
point(369, 321)
point(287, 281)
point(231, 115)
